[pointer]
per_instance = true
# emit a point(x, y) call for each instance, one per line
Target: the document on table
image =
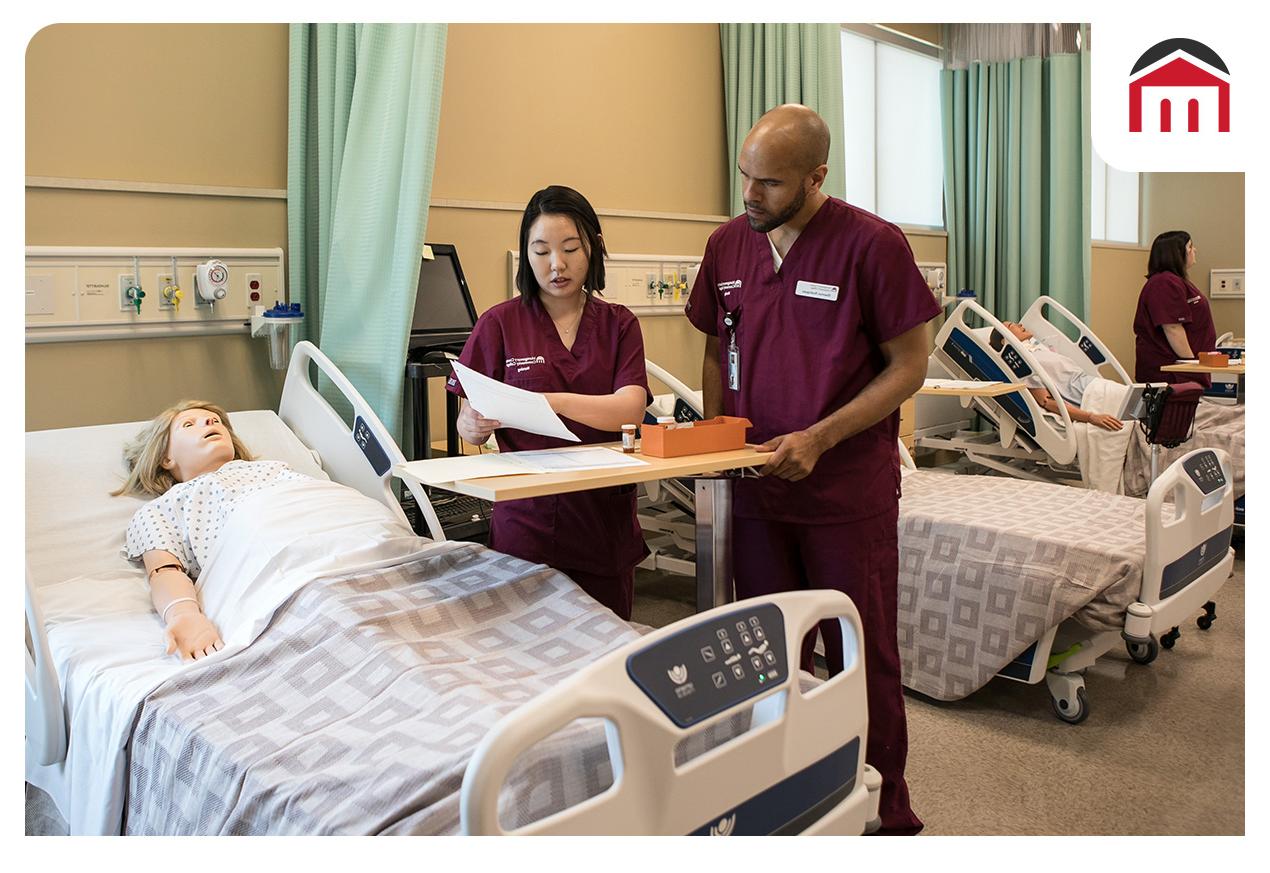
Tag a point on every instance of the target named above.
point(568, 460)
point(959, 384)
point(438, 471)
point(510, 406)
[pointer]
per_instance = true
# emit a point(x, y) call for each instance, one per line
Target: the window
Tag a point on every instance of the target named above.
point(1113, 203)
point(890, 97)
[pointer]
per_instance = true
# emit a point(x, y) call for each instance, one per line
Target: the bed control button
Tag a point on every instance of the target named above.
point(721, 633)
point(754, 621)
point(770, 657)
point(727, 646)
point(719, 680)
point(740, 627)
point(747, 640)
point(759, 635)
point(738, 671)
point(757, 662)
point(707, 654)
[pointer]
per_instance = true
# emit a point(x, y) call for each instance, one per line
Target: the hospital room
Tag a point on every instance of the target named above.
point(739, 429)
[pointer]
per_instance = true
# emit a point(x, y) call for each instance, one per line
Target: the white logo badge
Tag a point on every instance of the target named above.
point(678, 674)
point(725, 826)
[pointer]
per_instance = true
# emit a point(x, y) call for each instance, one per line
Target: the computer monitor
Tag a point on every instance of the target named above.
point(444, 314)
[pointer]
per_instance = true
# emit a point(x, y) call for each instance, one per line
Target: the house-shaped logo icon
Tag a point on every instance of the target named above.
point(1179, 85)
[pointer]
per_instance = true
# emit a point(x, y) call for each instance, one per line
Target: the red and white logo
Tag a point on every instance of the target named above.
point(1179, 86)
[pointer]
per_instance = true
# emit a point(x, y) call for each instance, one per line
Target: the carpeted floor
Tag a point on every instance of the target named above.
point(1162, 751)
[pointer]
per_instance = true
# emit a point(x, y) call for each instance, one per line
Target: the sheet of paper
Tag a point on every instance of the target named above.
point(968, 384)
point(562, 461)
point(440, 470)
point(510, 406)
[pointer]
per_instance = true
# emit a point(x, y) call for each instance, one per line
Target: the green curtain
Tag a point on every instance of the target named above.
point(765, 65)
point(1016, 181)
point(365, 100)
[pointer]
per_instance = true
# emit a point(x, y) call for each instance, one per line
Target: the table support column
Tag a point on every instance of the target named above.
point(714, 542)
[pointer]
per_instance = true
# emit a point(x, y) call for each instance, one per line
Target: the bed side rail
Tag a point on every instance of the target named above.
point(45, 715)
point(677, 387)
point(655, 691)
point(1197, 538)
point(361, 458)
point(965, 354)
point(1088, 351)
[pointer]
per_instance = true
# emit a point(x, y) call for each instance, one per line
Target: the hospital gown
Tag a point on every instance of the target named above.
point(187, 520)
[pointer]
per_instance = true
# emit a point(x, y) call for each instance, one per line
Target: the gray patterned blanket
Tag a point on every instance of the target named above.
point(988, 564)
point(358, 707)
point(1217, 426)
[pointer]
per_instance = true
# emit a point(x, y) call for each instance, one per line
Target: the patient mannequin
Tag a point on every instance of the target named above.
point(190, 459)
point(1070, 379)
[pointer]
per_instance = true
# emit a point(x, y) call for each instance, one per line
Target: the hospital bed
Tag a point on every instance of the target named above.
point(402, 684)
point(994, 572)
point(1034, 580)
point(1027, 442)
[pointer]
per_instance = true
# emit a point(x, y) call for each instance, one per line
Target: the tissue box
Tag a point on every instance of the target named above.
point(1213, 359)
point(721, 434)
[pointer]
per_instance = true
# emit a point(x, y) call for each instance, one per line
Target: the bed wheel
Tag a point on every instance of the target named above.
point(1071, 710)
point(1170, 638)
point(1143, 653)
point(1067, 696)
point(1206, 620)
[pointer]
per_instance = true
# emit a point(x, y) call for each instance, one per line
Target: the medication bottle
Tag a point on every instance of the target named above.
point(666, 420)
point(628, 439)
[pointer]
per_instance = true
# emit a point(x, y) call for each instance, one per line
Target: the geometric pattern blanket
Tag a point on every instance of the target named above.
point(1217, 426)
point(357, 709)
point(988, 564)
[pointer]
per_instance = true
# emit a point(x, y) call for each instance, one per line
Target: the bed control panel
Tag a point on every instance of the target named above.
point(1015, 362)
point(713, 665)
point(1205, 471)
point(1091, 351)
point(370, 447)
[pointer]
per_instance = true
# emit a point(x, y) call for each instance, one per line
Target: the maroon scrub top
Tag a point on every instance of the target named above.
point(1167, 298)
point(516, 342)
point(809, 340)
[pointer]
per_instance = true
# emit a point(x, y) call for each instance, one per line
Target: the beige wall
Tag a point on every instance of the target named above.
point(194, 105)
point(1210, 207)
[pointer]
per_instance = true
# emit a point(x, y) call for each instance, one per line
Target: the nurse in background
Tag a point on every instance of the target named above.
point(587, 357)
point(1173, 319)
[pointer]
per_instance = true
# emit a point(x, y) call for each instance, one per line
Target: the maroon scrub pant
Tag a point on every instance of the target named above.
point(861, 559)
point(615, 592)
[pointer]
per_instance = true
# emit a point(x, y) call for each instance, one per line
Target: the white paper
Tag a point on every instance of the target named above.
point(510, 406)
point(567, 460)
point(967, 384)
point(438, 471)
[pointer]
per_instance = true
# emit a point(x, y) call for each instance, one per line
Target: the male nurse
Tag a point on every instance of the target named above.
point(815, 320)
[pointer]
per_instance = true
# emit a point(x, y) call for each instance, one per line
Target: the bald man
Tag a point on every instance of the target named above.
point(815, 320)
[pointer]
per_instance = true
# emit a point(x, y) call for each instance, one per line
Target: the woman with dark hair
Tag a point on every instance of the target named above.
point(586, 356)
point(1173, 320)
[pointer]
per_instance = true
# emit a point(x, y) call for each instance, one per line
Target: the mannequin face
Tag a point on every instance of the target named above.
point(198, 443)
point(1018, 330)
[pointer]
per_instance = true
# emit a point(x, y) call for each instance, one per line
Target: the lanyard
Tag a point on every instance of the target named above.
point(730, 321)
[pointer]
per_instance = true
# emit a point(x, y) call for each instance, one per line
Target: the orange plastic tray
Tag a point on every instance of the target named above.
point(720, 434)
point(1214, 359)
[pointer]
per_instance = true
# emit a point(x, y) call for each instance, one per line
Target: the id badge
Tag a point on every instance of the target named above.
point(734, 368)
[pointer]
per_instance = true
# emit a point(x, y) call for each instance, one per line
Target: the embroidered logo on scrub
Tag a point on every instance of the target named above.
point(728, 287)
point(521, 365)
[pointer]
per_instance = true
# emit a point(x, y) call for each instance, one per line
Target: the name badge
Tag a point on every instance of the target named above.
point(817, 290)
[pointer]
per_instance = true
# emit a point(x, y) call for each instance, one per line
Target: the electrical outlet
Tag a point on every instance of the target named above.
point(256, 292)
point(1226, 283)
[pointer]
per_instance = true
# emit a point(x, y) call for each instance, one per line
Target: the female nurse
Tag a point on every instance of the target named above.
point(1173, 319)
point(587, 357)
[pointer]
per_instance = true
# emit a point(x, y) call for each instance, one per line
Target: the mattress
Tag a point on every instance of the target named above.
point(988, 564)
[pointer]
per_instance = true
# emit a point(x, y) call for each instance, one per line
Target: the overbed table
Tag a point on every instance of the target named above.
point(714, 474)
point(1232, 369)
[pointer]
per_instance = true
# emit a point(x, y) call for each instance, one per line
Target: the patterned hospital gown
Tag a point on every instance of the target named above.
point(187, 519)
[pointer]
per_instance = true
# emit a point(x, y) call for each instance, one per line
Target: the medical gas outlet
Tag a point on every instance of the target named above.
point(211, 282)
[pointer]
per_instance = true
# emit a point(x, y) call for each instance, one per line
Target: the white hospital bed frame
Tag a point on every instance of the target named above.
point(1188, 558)
point(1027, 442)
point(803, 747)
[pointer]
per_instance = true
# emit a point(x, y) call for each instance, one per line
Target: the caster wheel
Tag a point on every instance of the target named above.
point(1143, 653)
point(1072, 711)
point(1170, 638)
point(1204, 622)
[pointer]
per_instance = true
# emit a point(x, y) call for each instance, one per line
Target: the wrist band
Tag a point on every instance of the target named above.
point(163, 616)
point(167, 567)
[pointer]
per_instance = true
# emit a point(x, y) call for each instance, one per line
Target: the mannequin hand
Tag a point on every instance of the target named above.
point(795, 455)
point(473, 427)
point(192, 635)
point(1106, 422)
